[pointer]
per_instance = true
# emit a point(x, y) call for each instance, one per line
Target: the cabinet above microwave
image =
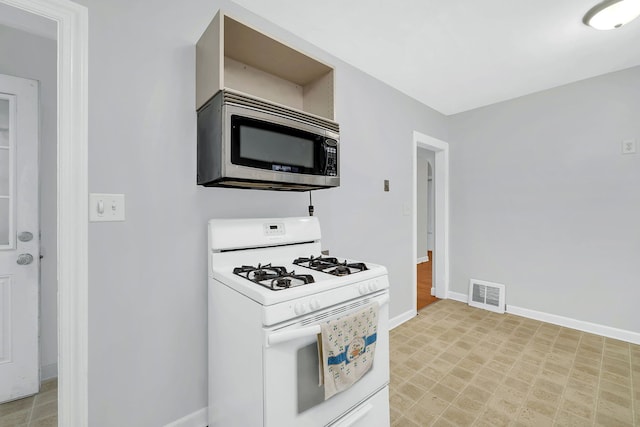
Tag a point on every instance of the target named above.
point(232, 55)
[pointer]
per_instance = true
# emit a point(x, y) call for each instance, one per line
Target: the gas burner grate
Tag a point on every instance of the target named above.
point(330, 265)
point(288, 280)
point(340, 270)
point(275, 278)
point(316, 261)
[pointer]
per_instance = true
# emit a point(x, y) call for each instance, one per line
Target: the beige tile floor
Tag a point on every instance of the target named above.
point(454, 365)
point(40, 410)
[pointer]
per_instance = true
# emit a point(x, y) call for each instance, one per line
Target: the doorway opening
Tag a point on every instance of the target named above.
point(71, 200)
point(425, 225)
point(28, 73)
point(437, 151)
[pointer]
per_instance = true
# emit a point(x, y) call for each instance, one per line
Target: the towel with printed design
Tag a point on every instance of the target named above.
point(346, 349)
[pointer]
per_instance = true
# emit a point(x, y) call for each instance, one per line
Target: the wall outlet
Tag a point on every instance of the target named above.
point(629, 146)
point(106, 207)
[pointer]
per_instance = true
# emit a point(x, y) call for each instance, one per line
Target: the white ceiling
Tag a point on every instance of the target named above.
point(25, 21)
point(457, 55)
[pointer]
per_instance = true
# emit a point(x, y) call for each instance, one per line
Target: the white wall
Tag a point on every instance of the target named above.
point(148, 275)
point(33, 57)
point(422, 174)
point(431, 201)
point(543, 201)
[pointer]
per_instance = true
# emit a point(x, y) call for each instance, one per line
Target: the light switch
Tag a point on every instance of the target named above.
point(106, 207)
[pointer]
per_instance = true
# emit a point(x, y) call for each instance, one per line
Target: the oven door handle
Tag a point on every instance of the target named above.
point(280, 337)
point(284, 336)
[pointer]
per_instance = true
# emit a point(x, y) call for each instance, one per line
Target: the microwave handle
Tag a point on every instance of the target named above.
point(284, 336)
point(324, 149)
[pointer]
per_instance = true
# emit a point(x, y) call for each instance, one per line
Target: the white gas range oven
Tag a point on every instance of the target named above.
point(269, 290)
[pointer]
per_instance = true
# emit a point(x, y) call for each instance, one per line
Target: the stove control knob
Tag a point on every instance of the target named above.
point(373, 286)
point(299, 308)
point(314, 304)
point(363, 289)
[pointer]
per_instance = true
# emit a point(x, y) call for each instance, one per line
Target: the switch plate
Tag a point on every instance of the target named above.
point(629, 146)
point(106, 207)
point(386, 185)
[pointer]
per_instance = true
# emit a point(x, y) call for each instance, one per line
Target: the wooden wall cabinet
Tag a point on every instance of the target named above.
point(232, 55)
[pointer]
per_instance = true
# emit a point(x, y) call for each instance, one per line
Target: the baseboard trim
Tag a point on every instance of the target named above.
point(399, 320)
point(196, 419)
point(458, 296)
point(48, 371)
point(422, 259)
point(581, 325)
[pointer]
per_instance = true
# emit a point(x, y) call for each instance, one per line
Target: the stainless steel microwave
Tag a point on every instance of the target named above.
point(246, 142)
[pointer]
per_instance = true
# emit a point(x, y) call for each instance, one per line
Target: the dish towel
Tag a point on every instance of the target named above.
point(346, 349)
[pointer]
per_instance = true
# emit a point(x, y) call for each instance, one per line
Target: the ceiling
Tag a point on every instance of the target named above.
point(457, 55)
point(452, 55)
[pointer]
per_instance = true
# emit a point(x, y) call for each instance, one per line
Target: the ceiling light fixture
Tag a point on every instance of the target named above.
point(611, 14)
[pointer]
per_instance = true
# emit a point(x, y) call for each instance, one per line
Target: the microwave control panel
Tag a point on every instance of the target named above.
point(331, 150)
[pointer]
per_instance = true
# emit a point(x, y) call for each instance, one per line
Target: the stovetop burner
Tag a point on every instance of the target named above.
point(273, 277)
point(330, 265)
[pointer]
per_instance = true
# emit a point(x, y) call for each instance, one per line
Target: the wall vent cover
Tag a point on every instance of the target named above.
point(486, 295)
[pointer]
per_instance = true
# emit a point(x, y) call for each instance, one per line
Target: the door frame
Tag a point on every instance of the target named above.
point(441, 213)
point(72, 203)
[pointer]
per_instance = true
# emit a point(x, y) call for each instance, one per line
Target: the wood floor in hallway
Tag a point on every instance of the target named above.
point(425, 274)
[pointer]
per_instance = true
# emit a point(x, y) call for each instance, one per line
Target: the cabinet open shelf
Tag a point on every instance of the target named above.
point(233, 55)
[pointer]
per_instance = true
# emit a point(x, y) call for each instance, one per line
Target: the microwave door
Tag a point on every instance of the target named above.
point(259, 147)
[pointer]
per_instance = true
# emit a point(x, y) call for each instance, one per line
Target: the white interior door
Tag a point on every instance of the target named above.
point(19, 238)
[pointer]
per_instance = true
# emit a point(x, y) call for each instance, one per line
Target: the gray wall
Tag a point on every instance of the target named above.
point(33, 57)
point(543, 201)
point(148, 275)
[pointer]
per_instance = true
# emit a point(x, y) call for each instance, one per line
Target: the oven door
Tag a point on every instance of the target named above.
point(292, 394)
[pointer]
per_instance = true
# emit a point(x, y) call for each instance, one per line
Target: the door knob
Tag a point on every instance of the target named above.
point(24, 259)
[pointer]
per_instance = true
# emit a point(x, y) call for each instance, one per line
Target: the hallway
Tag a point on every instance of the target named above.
point(425, 274)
